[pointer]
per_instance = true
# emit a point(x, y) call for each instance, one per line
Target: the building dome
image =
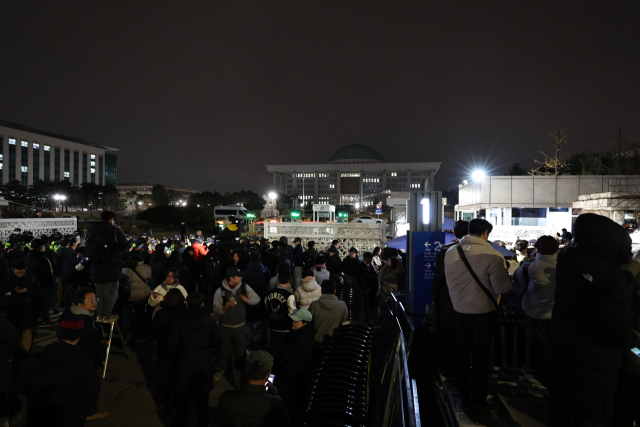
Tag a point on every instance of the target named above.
point(357, 153)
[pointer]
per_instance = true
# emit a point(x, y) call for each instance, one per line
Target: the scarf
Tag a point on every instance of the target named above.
point(167, 287)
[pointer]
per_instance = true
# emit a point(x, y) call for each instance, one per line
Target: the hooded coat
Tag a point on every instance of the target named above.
point(61, 385)
point(591, 319)
point(195, 340)
point(308, 292)
point(321, 275)
point(90, 344)
point(139, 287)
point(328, 313)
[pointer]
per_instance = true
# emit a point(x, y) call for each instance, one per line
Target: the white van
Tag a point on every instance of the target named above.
point(224, 212)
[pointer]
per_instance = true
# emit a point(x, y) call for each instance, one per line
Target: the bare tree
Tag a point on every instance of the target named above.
point(555, 164)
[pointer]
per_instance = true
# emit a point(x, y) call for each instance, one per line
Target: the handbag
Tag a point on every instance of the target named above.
point(475, 277)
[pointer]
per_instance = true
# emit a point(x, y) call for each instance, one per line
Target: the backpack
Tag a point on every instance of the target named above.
point(98, 247)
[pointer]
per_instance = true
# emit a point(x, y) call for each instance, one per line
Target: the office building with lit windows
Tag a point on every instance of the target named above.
point(29, 155)
point(356, 174)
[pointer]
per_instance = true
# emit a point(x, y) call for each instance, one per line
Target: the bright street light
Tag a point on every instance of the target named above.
point(478, 175)
point(302, 205)
point(273, 195)
point(465, 182)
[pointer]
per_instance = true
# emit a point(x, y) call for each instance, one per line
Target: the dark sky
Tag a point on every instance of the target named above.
point(204, 94)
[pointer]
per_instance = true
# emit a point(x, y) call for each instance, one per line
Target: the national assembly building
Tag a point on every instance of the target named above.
point(356, 174)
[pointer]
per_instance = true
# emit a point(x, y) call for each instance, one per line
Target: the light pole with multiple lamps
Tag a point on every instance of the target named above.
point(273, 197)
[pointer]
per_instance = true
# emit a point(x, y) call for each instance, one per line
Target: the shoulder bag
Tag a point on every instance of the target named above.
point(475, 277)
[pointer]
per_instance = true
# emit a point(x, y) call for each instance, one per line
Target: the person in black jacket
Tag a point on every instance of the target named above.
point(60, 382)
point(106, 245)
point(18, 253)
point(351, 263)
point(43, 269)
point(212, 269)
point(83, 305)
point(25, 290)
point(369, 275)
point(256, 403)
point(184, 231)
point(334, 264)
point(195, 339)
point(190, 262)
point(9, 346)
point(309, 257)
point(164, 320)
point(280, 303)
point(294, 377)
point(77, 272)
point(590, 325)
point(442, 300)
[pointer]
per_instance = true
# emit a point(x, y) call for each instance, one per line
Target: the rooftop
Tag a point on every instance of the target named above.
point(357, 153)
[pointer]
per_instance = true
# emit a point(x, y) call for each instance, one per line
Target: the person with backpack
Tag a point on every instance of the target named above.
point(139, 275)
point(106, 245)
point(229, 303)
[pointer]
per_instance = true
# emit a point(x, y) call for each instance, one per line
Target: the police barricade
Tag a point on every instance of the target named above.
point(362, 378)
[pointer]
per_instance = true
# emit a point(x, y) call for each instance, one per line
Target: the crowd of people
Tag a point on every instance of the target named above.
point(580, 293)
point(203, 302)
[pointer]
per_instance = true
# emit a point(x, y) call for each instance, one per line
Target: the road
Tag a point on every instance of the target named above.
point(126, 392)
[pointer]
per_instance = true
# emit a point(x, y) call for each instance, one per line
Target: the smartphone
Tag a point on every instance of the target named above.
point(266, 386)
point(636, 351)
point(167, 251)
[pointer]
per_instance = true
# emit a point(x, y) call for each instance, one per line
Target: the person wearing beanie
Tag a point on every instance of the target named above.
point(308, 292)
point(194, 339)
point(62, 367)
point(229, 303)
point(256, 403)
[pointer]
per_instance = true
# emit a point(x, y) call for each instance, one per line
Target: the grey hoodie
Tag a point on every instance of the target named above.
point(328, 312)
point(234, 317)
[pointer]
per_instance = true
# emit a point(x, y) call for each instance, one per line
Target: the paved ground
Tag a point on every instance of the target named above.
point(127, 390)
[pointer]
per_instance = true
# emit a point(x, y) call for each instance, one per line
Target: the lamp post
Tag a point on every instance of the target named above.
point(59, 198)
point(273, 197)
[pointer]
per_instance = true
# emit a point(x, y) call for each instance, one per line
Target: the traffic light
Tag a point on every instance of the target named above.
point(295, 214)
point(343, 215)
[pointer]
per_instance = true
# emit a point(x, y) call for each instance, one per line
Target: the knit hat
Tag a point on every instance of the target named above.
point(71, 328)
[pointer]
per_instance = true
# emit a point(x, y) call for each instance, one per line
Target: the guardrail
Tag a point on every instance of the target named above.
point(38, 226)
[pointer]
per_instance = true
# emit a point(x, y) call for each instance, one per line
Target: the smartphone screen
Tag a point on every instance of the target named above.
point(269, 381)
point(167, 251)
point(636, 351)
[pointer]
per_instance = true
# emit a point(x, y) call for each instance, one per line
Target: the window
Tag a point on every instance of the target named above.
point(12, 141)
point(24, 143)
point(93, 157)
point(56, 165)
point(47, 163)
point(93, 163)
point(36, 162)
point(47, 148)
point(66, 174)
point(100, 170)
point(84, 167)
point(76, 168)
point(24, 168)
point(93, 171)
point(36, 146)
point(24, 163)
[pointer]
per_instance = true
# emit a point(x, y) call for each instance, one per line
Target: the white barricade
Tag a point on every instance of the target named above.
point(363, 237)
point(38, 226)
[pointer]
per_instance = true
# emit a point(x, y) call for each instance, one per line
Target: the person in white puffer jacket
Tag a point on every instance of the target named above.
point(308, 292)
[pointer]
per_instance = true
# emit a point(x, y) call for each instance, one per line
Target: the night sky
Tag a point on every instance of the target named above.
point(204, 94)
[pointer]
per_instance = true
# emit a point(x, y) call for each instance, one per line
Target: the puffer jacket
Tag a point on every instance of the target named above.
point(139, 288)
point(307, 293)
point(537, 301)
point(390, 276)
point(321, 275)
point(591, 319)
point(488, 265)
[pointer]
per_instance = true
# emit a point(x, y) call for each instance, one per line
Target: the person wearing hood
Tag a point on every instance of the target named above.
point(229, 238)
point(328, 311)
point(308, 292)
point(43, 269)
point(172, 281)
point(84, 304)
point(60, 382)
point(229, 303)
point(590, 325)
point(273, 283)
point(106, 245)
point(195, 340)
point(320, 272)
point(294, 376)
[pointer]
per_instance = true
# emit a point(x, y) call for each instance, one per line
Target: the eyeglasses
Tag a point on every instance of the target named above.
point(92, 300)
